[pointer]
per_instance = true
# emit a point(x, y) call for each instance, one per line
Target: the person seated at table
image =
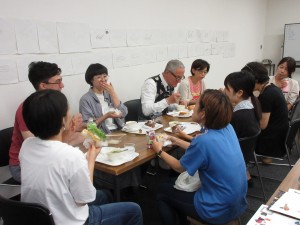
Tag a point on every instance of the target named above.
point(42, 75)
point(191, 88)
point(246, 115)
point(283, 80)
point(217, 157)
point(157, 92)
point(60, 176)
point(101, 101)
point(274, 121)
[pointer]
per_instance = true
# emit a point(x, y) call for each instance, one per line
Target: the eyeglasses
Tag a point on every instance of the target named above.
point(178, 78)
point(202, 71)
point(58, 81)
point(101, 76)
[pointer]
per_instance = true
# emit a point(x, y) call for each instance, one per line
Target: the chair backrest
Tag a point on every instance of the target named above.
point(133, 107)
point(16, 212)
point(248, 145)
point(295, 112)
point(5, 142)
point(291, 133)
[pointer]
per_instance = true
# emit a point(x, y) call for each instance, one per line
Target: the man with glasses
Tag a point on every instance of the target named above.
point(158, 91)
point(42, 75)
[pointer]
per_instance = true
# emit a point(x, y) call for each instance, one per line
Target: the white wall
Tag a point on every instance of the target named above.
point(243, 19)
point(278, 14)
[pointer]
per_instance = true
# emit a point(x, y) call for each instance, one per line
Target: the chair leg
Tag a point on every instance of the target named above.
point(260, 180)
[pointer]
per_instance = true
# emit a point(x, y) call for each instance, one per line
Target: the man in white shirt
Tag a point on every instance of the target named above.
point(158, 91)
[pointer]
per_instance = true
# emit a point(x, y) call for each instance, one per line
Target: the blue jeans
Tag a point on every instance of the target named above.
point(103, 212)
point(120, 213)
point(173, 204)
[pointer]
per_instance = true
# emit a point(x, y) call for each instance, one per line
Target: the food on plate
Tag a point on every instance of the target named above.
point(191, 107)
point(140, 131)
point(177, 128)
point(183, 113)
point(150, 123)
point(161, 137)
point(173, 123)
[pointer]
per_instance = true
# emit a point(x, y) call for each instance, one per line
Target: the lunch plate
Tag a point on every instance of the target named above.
point(188, 127)
point(176, 114)
point(121, 155)
point(141, 128)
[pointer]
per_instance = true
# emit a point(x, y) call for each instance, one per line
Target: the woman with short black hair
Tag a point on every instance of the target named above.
point(217, 157)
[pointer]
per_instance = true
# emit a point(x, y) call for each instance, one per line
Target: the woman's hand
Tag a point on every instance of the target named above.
point(92, 153)
point(113, 115)
point(157, 146)
point(108, 87)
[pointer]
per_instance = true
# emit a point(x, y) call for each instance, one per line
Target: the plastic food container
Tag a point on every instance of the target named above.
point(114, 139)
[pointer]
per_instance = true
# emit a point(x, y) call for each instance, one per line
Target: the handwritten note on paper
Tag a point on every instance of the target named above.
point(73, 37)
point(27, 38)
point(135, 37)
point(203, 36)
point(100, 38)
point(8, 72)
point(149, 54)
point(117, 38)
point(192, 36)
point(8, 43)
point(47, 35)
point(121, 58)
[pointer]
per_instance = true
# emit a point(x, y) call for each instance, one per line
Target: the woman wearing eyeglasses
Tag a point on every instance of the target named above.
point(191, 88)
point(217, 157)
point(283, 80)
point(101, 100)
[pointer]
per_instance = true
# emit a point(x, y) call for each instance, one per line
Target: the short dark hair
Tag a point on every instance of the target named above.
point(258, 70)
point(39, 72)
point(217, 108)
point(291, 65)
point(244, 81)
point(199, 64)
point(43, 112)
point(93, 70)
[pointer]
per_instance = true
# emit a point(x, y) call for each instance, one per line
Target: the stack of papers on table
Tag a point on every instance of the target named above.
point(263, 216)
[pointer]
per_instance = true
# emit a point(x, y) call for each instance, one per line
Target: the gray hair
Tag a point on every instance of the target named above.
point(172, 65)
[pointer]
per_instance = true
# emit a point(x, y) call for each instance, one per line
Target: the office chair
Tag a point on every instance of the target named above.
point(8, 186)
point(248, 145)
point(21, 213)
point(294, 115)
point(133, 107)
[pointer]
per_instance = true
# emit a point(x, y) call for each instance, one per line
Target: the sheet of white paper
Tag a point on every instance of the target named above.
point(195, 50)
point(100, 38)
point(203, 36)
point(135, 56)
point(228, 50)
point(117, 38)
point(149, 54)
point(27, 38)
point(207, 49)
point(73, 37)
point(135, 37)
point(63, 61)
point(192, 36)
point(220, 36)
point(81, 61)
point(8, 43)
point(47, 35)
point(173, 52)
point(121, 58)
point(8, 72)
point(182, 51)
point(161, 53)
point(23, 63)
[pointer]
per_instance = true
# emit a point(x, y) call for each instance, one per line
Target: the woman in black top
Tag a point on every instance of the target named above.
point(274, 121)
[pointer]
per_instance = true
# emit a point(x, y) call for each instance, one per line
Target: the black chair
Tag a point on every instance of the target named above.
point(9, 187)
point(21, 213)
point(248, 145)
point(133, 107)
point(294, 115)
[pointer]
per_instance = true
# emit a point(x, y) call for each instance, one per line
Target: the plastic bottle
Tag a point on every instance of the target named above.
point(91, 123)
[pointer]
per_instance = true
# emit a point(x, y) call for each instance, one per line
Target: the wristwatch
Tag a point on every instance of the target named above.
point(159, 153)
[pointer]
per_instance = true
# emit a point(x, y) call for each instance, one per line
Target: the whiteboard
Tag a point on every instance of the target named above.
point(291, 46)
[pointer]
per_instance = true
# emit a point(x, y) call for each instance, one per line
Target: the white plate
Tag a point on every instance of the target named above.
point(176, 114)
point(189, 127)
point(141, 126)
point(121, 157)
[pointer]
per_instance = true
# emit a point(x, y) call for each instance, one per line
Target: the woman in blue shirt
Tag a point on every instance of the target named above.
point(217, 157)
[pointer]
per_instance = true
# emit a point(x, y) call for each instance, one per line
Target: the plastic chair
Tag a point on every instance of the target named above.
point(9, 187)
point(248, 144)
point(15, 212)
point(133, 107)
